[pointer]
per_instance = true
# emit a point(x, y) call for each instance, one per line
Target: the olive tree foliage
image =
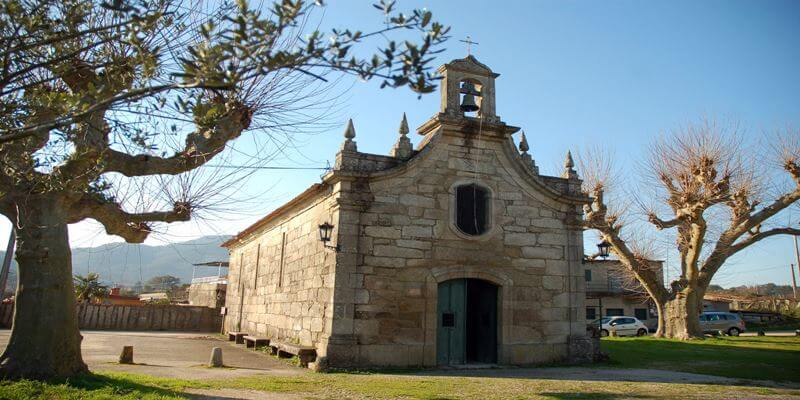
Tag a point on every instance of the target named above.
point(98, 100)
point(712, 194)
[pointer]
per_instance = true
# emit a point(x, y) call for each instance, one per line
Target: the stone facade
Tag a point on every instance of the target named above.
point(373, 301)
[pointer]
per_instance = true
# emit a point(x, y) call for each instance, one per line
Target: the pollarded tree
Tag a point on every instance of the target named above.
point(715, 193)
point(94, 94)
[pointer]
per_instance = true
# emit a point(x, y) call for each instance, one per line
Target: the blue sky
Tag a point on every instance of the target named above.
point(574, 75)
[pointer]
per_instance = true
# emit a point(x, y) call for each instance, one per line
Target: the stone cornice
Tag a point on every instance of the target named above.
point(467, 126)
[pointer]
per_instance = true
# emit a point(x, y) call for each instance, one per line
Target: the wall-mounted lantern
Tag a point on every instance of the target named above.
point(325, 231)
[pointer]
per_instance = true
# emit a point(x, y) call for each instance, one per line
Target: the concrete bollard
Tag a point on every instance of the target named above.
point(126, 357)
point(761, 332)
point(216, 358)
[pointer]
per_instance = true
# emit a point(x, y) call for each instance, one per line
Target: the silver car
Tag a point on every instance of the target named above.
point(713, 322)
point(622, 326)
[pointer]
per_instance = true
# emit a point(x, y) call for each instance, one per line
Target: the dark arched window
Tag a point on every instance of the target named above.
point(472, 209)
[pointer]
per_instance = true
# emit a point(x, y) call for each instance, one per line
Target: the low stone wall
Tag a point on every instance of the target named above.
point(207, 294)
point(138, 318)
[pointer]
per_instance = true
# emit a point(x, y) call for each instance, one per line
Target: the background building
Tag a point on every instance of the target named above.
point(609, 286)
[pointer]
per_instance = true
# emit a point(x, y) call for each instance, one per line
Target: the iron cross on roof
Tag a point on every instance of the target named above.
point(469, 43)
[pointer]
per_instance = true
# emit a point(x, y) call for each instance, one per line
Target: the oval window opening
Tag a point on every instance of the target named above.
point(472, 203)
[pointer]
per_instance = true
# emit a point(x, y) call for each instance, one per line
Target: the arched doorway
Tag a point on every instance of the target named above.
point(466, 330)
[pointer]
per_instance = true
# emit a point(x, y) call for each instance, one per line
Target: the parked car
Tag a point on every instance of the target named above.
point(622, 326)
point(713, 322)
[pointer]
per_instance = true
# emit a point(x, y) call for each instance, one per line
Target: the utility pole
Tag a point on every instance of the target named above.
point(794, 282)
point(7, 263)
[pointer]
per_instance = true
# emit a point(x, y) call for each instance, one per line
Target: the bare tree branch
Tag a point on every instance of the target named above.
point(744, 243)
point(661, 224)
point(200, 147)
point(132, 227)
point(597, 218)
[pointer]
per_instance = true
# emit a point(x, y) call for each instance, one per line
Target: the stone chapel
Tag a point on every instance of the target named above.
point(456, 252)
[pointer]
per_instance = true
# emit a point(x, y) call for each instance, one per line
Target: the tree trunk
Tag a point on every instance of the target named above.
point(660, 308)
point(45, 341)
point(681, 315)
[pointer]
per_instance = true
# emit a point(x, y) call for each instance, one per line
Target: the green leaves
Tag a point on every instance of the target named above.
point(82, 78)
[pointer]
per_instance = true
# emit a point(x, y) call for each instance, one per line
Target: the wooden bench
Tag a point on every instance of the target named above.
point(237, 337)
point(306, 354)
point(255, 342)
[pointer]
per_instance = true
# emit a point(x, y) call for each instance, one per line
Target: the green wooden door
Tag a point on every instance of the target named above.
point(451, 322)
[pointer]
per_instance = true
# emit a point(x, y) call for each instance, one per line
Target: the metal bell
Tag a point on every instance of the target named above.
point(468, 103)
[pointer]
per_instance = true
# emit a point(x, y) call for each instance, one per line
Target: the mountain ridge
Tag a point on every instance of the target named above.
point(126, 264)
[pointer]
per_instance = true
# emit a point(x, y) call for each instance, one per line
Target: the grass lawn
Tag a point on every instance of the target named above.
point(760, 357)
point(773, 358)
point(342, 386)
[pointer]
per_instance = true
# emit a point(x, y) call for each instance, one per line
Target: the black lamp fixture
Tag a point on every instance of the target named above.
point(604, 248)
point(325, 231)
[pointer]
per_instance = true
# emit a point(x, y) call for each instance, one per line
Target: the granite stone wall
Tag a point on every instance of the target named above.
point(281, 277)
point(207, 294)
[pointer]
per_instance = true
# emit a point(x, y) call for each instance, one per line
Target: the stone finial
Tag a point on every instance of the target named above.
point(526, 158)
point(349, 134)
point(403, 126)
point(569, 167)
point(403, 148)
point(523, 144)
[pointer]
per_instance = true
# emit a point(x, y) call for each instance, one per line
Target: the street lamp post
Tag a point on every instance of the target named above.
point(603, 248)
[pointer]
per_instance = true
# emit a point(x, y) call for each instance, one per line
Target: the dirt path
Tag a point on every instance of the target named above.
point(228, 394)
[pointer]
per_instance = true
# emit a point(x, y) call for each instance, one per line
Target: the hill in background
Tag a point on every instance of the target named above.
point(127, 264)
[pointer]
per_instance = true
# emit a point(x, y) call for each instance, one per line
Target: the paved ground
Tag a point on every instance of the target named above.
point(770, 333)
point(174, 355)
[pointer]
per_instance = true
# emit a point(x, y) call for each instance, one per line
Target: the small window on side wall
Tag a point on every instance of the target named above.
point(472, 208)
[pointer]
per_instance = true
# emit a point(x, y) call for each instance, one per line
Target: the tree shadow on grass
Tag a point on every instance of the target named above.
point(118, 386)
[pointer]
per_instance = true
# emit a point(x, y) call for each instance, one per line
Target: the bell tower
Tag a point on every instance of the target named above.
point(468, 90)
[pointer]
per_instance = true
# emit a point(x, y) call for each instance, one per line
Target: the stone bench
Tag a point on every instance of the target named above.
point(237, 337)
point(306, 354)
point(255, 342)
